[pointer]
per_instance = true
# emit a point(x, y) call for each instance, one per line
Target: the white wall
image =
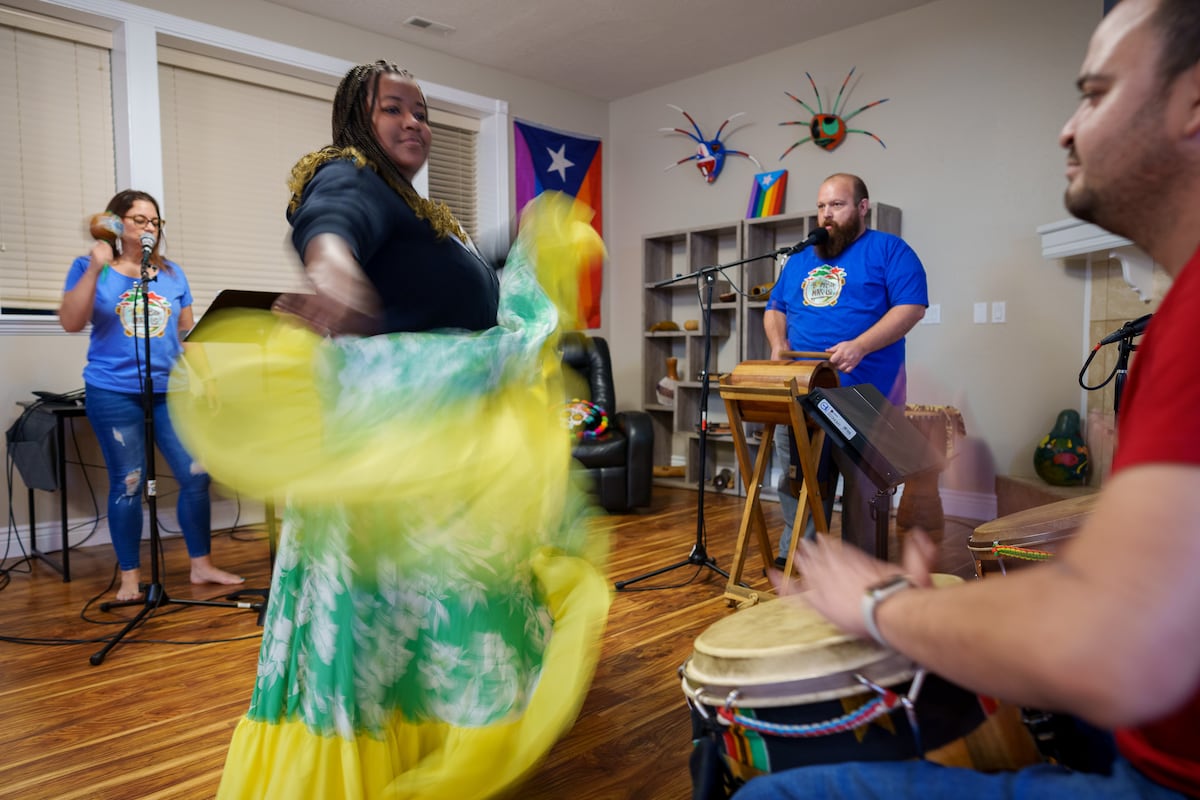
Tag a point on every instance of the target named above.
point(977, 93)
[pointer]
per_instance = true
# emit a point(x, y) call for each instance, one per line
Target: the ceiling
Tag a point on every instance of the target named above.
point(605, 49)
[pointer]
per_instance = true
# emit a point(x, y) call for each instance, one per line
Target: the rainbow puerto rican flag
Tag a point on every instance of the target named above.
point(766, 198)
point(546, 159)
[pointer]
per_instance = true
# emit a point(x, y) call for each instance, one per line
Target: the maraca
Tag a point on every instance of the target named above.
point(107, 227)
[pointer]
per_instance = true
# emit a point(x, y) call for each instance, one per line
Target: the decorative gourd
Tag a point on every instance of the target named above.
point(1061, 458)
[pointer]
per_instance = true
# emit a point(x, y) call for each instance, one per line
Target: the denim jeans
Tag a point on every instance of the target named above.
point(119, 424)
point(910, 780)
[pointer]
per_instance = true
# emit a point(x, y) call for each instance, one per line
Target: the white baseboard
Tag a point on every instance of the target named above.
point(225, 514)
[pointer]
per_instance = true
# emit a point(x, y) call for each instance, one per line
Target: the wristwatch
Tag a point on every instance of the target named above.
point(876, 594)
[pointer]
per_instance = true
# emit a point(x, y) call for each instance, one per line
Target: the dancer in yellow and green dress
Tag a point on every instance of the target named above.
point(438, 597)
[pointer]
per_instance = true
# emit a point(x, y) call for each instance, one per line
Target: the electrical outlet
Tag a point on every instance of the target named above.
point(980, 313)
point(998, 311)
point(933, 315)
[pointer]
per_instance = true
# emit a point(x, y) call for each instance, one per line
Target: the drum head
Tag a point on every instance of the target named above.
point(782, 652)
point(1033, 527)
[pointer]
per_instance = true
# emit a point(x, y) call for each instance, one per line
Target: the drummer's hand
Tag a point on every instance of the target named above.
point(836, 576)
point(845, 356)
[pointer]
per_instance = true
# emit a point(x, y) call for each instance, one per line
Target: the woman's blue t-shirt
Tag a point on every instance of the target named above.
point(117, 350)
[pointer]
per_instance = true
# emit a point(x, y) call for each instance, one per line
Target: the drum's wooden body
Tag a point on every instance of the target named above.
point(765, 388)
point(783, 663)
point(1042, 529)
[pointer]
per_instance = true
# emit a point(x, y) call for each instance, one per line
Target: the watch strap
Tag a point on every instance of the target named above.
point(876, 594)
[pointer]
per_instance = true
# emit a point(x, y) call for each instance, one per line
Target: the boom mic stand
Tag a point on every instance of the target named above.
point(699, 555)
point(154, 596)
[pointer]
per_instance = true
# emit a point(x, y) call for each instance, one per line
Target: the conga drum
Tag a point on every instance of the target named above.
point(1035, 534)
point(921, 505)
point(776, 686)
point(1013, 542)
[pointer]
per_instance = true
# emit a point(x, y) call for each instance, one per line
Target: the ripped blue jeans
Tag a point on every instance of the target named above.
point(120, 428)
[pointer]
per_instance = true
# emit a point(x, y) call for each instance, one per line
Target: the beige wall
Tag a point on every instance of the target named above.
point(978, 91)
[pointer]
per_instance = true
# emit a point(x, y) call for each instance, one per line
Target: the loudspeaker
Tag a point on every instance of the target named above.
point(33, 448)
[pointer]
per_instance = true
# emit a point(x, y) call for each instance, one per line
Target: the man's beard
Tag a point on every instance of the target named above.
point(840, 237)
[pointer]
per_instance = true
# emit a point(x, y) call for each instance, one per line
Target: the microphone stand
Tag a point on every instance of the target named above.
point(699, 555)
point(154, 595)
point(1123, 337)
point(1124, 348)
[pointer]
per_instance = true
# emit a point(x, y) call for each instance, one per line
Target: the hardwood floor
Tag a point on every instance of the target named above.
point(154, 719)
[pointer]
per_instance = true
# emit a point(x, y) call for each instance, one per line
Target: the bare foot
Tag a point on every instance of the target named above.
point(129, 588)
point(204, 571)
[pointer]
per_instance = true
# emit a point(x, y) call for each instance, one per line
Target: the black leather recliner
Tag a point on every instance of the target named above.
point(619, 464)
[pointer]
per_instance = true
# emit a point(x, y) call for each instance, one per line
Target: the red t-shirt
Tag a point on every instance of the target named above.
point(1158, 423)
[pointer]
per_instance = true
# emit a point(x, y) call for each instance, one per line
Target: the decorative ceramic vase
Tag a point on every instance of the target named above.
point(1061, 458)
point(665, 390)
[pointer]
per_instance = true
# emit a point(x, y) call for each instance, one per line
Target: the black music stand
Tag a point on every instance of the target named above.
point(877, 438)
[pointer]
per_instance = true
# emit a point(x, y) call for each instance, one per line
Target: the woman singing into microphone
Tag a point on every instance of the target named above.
point(104, 288)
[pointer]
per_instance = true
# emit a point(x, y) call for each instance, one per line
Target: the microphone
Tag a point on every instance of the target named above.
point(147, 240)
point(818, 236)
point(1127, 331)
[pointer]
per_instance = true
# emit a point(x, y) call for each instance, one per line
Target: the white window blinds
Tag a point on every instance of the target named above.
point(56, 134)
point(452, 167)
point(229, 143)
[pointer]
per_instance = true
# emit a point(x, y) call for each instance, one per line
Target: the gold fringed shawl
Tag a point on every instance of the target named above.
point(437, 214)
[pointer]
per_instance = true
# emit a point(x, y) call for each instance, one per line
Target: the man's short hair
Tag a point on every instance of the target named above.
point(860, 188)
point(1178, 23)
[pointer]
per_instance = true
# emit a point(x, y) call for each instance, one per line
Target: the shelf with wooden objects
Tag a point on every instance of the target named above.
point(673, 358)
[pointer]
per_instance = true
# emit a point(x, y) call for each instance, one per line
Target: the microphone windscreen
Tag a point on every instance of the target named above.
point(106, 227)
point(819, 236)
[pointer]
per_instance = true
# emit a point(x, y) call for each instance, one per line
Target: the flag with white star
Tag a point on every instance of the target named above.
point(546, 159)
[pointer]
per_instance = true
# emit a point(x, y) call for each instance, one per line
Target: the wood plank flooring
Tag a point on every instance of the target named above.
point(153, 721)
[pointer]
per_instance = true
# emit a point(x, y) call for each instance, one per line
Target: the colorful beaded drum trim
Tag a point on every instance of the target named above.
point(1021, 552)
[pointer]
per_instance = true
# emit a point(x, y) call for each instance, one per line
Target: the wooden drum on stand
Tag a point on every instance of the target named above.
point(774, 380)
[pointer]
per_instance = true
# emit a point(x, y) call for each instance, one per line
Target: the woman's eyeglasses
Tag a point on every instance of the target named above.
point(142, 222)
